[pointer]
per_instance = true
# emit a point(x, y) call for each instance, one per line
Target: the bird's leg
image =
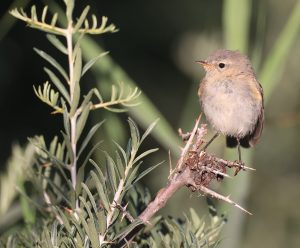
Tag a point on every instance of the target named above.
point(240, 157)
point(210, 141)
point(239, 149)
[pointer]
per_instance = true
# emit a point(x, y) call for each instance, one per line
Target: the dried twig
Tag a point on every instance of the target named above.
point(195, 169)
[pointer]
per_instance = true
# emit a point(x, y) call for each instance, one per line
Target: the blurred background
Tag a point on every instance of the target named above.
point(155, 49)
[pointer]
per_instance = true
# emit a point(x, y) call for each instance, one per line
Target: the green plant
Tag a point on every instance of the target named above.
point(80, 202)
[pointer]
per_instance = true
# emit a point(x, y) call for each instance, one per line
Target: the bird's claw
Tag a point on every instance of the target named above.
point(240, 165)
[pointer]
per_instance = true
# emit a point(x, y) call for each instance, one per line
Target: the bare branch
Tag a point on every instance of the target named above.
point(195, 169)
point(165, 194)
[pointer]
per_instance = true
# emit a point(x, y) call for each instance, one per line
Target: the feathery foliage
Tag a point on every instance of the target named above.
point(80, 202)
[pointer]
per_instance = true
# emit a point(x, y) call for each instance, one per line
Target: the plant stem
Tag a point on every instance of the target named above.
point(120, 189)
point(73, 119)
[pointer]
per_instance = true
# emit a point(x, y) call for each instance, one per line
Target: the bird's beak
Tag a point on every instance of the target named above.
point(203, 63)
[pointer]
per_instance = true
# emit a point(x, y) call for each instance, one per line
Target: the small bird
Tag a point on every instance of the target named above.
point(232, 98)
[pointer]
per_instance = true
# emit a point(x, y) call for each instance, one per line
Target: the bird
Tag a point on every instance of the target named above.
point(232, 99)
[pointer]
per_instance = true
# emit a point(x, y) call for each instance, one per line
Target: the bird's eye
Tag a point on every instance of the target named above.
point(221, 65)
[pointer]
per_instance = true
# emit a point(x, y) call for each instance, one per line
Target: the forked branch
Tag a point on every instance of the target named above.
point(195, 169)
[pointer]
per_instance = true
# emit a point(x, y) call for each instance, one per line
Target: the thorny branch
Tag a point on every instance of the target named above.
point(195, 169)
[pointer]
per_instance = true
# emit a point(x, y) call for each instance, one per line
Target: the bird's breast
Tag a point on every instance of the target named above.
point(230, 106)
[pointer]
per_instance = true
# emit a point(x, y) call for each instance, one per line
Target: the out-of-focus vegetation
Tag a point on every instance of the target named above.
point(155, 49)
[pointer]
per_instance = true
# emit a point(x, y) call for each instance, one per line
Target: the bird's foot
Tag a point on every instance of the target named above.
point(239, 165)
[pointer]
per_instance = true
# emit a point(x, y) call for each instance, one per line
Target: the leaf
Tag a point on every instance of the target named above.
point(63, 173)
point(76, 78)
point(33, 13)
point(50, 156)
point(100, 174)
point(60, 150)
point(32, 202)
point(79, 229)
point(91, 152)
point(128, 149)
point(87, 98)
point(120, 165)
point(144, 154)
point(89, 136)
point(44, 13)
point(69, 147)
point(58, 84)
point(64, 218)
point(116, 110)
point(111, 172)
point(71, 194)
point(93, 234)
point(86, 24)
point(101, 191)
point(195, 218)
point(122, 151)
point(148, 131)
point(77, 46)
point(77, 66)
point(89, 64)
point(66, 118)
point(75, 101)
point(91, 197)
point(69, 9)
point(53, 145)
point(145, 172)
point(98, 95)
point(81, 19)
point(131, 177)
point(54, 19)
point(54, 233)
point(57, 43)
point(87, 207)
point(128, 229)
point(135, 135)
point(94, 18)
point(46, 237)
point(29, 213)
point(79, 179)
point(47, 95)
point(82, 120)
point(101, 220)
point(84, 224)
point(113, 93)
point(57, 190)
point(52, 61)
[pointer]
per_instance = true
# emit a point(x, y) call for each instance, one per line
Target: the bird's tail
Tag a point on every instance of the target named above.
point(232, 142)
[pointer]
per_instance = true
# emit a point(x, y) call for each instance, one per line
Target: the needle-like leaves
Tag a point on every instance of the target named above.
point(89, 64)
point(47, 95)
point(58, 84)
point(82, 18)
point(53, 62)
point(82, 120)
point(88, 137)
point(57, 43)
point(69, 147)
point(91, 214)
